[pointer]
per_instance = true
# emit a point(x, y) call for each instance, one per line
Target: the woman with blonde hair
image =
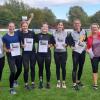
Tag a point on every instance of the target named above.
point(93, 48)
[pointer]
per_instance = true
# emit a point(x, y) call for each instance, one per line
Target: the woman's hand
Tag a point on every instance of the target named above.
point(64, 45)
point(55, 45)
point(31, 15)
point(8, 50)
point(82, 38)
point(50, 45)
point(23, 45)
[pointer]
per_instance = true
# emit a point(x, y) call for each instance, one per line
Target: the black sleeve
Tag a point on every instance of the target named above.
point(33, 34)
point(36, 38)
point(18, 32)
point(52, 40)
point(70, 40)
point(66, 40)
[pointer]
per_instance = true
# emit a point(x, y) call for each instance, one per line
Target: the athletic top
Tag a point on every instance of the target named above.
point(60, 40)
point(96, 47)
point(78, 46)
point(94, 44)
point(7, 39)
point(43, 41)
point(29, 37)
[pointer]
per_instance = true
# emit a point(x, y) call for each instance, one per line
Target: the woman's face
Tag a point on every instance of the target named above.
point(24, 27)
point(44, 28)
point(94, 29)
point(11, 27)
point(77, 24)
point(60, 27)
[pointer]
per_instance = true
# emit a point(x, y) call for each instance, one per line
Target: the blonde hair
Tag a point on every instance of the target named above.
point(11, 23)
point(23, 22)
point(76, 20)
point(94, 24)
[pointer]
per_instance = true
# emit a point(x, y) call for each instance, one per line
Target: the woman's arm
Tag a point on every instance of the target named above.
point(5, 49)
point(30, 19)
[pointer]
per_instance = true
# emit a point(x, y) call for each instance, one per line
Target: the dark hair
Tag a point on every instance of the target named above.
point(44, 23)
point(58, 24)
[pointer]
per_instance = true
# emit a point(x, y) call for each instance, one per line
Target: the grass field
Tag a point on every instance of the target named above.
point(86, 93)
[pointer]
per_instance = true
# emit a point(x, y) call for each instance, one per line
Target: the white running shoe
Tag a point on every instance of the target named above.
point(15, 84)
point(64, 85)
point(13, 91)
point(58, 84)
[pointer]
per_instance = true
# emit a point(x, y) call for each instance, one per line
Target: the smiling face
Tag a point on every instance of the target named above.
point(11, 27)
point(60, 26)
point(77, 25)
point(24, 26)
point(44, 28)
point(94, 28)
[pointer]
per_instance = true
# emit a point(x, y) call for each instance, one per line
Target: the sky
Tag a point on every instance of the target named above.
point(61, 7)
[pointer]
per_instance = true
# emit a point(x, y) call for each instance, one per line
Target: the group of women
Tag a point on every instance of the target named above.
point(20, 49)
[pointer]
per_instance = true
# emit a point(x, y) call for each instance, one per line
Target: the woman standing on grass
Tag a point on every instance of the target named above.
point(44, 40)
point(60, 54)
point(77, 40)
point(93, 48)
point(11, 44)
point(27, 38)
point(2, 58)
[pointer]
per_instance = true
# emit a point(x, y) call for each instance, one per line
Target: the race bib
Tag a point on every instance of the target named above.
point(43, 46)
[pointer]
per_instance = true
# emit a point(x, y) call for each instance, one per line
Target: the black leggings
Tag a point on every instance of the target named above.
point(14, 62)
point(78, 60)
point(2, 63)
point(60, 61)
point(41, 59)
point(95, 61)
point(29, 60)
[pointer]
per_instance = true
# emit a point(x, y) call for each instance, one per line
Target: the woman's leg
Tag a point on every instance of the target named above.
point(75, 58)
point(63, 66)
point(95, 62)
point(81, 64)
point(18, 62)
point(11, 63)
point(2, 63)
point(32, 66)
point(26, 67)
point(40, 61)
point(57, 62)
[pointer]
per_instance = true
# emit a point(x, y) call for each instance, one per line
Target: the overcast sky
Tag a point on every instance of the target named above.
point(61, 7)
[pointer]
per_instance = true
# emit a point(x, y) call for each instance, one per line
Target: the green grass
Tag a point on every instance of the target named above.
point(86, 93)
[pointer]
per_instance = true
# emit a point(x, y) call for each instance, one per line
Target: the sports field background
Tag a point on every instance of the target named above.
point(86, 93)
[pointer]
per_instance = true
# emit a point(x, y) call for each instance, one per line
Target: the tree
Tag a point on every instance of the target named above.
point(6, 16)
point(77, 12)
point(42, 15)
point(18, 9)
point(95, 18)
point(48, 16)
